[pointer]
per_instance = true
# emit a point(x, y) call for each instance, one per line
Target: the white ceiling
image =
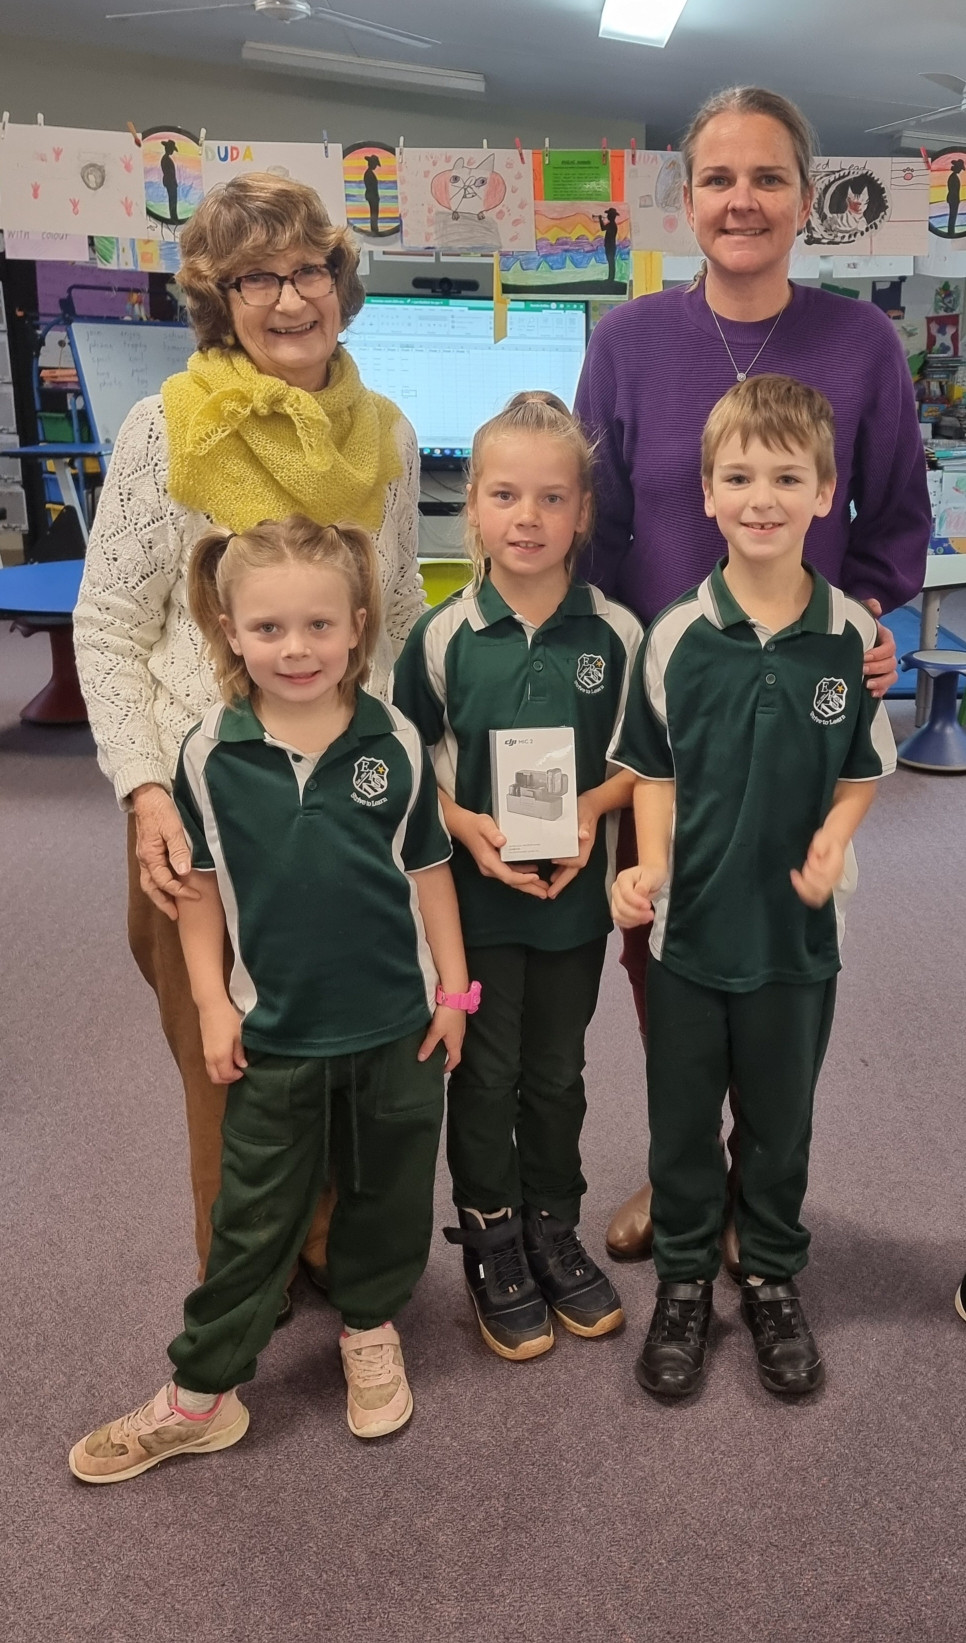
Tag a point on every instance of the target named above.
point(851, 64)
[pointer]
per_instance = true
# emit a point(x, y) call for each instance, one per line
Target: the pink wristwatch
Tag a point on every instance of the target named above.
point(470, 1002)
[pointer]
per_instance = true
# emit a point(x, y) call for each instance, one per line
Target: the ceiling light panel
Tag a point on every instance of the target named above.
point(645, 22)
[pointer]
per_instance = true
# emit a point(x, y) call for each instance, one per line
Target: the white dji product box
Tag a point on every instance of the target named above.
point(534, 780)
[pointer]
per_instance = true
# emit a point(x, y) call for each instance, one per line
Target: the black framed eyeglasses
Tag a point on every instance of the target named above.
point(262, 290)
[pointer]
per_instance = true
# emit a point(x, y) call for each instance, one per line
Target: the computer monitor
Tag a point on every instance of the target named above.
point(436, 358)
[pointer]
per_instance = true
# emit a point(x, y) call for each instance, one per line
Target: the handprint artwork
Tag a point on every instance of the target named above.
point(56, 180)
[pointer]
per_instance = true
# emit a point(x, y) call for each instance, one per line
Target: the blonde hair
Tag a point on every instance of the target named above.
point(779, 411)
point(754, 100)
point(533, 412)
point(248, 218)
point(221, 558)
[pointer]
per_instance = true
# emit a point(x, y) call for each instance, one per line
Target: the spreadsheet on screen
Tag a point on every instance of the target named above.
point(436, 359)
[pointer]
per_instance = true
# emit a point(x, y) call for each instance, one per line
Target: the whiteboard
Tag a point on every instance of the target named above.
point(122, 361)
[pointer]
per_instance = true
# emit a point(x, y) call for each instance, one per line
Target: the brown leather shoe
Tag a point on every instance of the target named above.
point(631, 1231)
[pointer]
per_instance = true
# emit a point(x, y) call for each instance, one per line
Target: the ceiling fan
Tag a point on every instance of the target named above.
point(287, 11)
point(949, 82)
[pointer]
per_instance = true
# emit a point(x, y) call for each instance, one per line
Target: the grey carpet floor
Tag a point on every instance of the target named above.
point(548, 1501)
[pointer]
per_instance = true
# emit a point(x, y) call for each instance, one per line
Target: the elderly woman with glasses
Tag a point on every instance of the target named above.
point(269, 419)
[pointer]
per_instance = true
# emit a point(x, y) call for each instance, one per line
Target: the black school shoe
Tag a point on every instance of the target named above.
point(582, 1296)
point(671, 1363)
point(960, 1302)
point(510, 1309)
point(789, 1362)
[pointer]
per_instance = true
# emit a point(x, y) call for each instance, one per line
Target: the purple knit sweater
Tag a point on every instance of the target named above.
point(655, 367)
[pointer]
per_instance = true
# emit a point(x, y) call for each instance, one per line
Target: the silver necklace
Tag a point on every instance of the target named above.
point(740, 376)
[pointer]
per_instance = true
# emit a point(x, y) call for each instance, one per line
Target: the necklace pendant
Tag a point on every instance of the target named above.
point(742, 376)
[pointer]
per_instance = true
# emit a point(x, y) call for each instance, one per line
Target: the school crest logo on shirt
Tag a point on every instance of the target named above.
point(370, 779)
point(590, 674)
point(828, 705)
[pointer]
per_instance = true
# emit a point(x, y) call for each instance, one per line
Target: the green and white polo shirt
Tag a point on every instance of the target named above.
point(471, 666)
point(755, 728)
point(313, 861)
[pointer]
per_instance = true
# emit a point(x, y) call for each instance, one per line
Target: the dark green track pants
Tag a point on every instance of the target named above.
point(770, 1044)
point(374, 1119)
point(516, 1101)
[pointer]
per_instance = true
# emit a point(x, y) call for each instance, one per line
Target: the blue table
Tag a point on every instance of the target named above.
point(41, 599)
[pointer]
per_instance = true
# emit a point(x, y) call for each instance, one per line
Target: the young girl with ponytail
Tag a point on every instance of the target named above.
point(317, 849)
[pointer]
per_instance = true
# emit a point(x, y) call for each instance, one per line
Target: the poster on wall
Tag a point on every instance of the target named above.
point(171, 159)
point(472, 199)
point(372, 192)
point(56, 180)
point(654, 188)
point(947, 194)
point(316, 164)
point(582, 249)
point(578, 174)
point(869, 207)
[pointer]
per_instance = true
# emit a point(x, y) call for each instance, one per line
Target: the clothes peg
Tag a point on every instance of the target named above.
point(134, 133)
point(4, 122)
point(402, 145)
point(40, 119)
point(485, 145)
point(546, 150)
point(202, 135)
point(603, 149)
point(519, 148)
point(325, 143)
point(633, 151)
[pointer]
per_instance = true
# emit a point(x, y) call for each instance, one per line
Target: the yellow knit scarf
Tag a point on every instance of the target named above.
point(245, 446)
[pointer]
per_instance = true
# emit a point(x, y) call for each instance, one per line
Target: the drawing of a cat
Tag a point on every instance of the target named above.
point(468, 190)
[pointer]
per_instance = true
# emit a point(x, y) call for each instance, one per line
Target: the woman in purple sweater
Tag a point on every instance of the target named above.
point(655, 367)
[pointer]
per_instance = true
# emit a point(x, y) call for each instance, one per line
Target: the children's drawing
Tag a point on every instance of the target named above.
point(947, 207)
point(654, 187)
point(372, 192)
point(581, 247)
point(45, 247)
point(476, 200)
point(171, 161)
point(59, 181)
point(304, 162)
point(942, 334)
point(869, 207)
point(948, 297)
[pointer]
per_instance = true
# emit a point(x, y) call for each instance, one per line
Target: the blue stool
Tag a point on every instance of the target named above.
point(941, 743)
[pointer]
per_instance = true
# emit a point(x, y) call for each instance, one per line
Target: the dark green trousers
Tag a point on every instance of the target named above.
point(516, 1101)
point(374, 1120)
point(770, 1044)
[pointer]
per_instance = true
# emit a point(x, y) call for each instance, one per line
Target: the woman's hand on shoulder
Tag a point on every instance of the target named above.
point(162, 848)
point(479, 834)
point(879, 664)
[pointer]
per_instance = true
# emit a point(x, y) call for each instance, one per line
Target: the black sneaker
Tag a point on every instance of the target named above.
point(672, 1359)
point(789, 1362)
point(582, 1296)
point(512, 1313)
point(961, 1300)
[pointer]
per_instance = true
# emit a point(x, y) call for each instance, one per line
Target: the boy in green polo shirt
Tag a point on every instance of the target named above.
point(757, 751)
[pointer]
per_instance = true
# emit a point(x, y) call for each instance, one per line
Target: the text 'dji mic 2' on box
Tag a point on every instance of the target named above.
point(534, 778)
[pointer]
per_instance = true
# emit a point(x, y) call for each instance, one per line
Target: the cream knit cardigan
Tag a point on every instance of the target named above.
point(140, 658)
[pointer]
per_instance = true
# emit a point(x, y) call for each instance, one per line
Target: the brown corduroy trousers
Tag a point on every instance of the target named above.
point(156, 947)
